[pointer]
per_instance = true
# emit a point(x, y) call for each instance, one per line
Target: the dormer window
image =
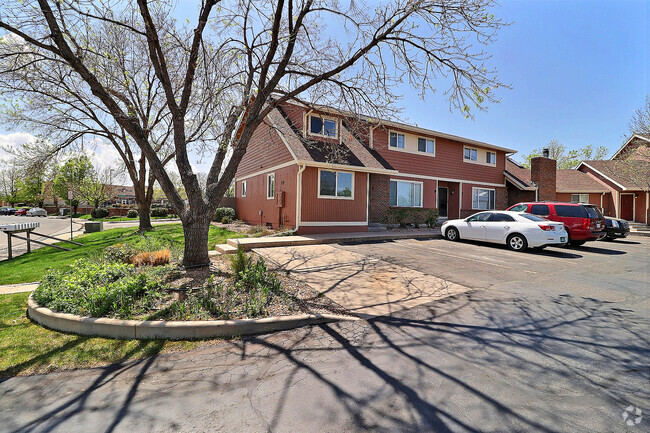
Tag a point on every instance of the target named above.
point(325, 126)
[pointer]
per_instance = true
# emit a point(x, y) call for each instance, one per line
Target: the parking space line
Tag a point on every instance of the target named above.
point(467, 258)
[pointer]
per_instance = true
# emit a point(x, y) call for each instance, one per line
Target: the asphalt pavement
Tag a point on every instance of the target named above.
point(52, 226)
point(550, 342)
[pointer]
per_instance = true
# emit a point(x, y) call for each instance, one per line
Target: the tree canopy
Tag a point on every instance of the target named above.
point(213, 77)
point(567, 158)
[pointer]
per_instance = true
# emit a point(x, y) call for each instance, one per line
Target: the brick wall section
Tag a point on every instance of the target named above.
point(543, 172)
point(379, 197)
point(515, 195)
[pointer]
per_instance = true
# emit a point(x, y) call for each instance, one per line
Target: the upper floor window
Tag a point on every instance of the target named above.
point(471, 154)
point(270, 186)
point(323, 126)
point(243, 188)
point(426, 145)
point(491, 157)
point(396, 140)
point(335, 184)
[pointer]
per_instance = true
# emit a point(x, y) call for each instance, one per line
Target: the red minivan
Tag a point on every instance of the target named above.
point(583, 222)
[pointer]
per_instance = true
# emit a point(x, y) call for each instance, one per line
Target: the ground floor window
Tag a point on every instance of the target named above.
point(482, 198)
point(580, 198)
point(335, 184)
point(270, 186)
point(405, 194)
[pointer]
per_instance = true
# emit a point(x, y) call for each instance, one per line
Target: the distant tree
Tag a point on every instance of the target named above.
point(567, 159)
point(10, 184)
point(74, 175)
point(98, 187)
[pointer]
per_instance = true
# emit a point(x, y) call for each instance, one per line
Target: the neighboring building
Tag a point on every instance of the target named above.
point(318, 171)
point(618, 186)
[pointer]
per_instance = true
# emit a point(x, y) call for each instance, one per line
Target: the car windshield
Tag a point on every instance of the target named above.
point(593, 212)
point(533, 217)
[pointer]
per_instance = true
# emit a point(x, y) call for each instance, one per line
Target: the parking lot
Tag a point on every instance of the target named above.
point(609, 271)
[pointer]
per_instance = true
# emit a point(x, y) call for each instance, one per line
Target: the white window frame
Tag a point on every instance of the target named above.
point(470, 154)
point(336, 185)
point(485, 189)
point(243, 188)
point(580, 197)
point(494, 155)
point(268, 186)
point(407, 181)
point(397, 134)
point(336, 122)
point(433, 140)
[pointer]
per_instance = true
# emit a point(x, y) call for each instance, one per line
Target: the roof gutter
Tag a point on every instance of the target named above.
point(346, 167)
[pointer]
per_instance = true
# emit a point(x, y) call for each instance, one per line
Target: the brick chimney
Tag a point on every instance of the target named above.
point(543, 171)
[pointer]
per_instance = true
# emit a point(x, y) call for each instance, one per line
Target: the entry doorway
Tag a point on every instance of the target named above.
point(627, 206)
point(443, 194)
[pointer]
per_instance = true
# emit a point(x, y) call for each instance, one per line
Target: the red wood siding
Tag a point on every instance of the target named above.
point(265, 150)
point(448, 162)
point(248, 207)
point(640, 207)
point(566, 197)
point(331, 229)
point(325, 209)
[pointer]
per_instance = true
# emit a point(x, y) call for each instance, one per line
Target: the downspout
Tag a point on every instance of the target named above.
point(536, 190)
point(372, 136)
point(301, 168)
point(601, 201)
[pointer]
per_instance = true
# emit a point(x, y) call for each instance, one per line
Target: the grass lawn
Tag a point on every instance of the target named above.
point(31, 267)
point(116, 218)
point(28, 348)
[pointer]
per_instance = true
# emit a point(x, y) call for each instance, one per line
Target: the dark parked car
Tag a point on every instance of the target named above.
point(7, 211)
point(583, 222)
point(616, 228)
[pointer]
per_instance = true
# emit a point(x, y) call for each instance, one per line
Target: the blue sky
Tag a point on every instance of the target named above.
point(578, 69)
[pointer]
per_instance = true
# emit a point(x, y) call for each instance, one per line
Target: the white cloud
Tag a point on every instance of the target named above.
point(10, 140)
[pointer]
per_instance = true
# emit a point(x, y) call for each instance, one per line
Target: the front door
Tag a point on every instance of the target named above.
point(627, 207)
point(442, 201)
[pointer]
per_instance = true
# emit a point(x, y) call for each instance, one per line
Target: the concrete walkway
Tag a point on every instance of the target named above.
point(17, 288)
point(330, 238)
point(367, 287)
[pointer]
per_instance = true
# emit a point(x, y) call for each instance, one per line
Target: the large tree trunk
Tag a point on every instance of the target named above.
point(144, 215)
point(196, 228)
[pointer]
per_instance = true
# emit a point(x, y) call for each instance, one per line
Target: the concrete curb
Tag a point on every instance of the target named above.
point(171, 330)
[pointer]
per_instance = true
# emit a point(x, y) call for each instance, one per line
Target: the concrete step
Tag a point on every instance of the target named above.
point(225, 248)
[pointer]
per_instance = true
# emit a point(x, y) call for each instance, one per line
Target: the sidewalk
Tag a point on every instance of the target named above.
point(326, 238)
point(17, 288)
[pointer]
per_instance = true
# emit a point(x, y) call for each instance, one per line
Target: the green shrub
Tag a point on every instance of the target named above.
point(159, 212)
point(104, 289)
point(99, 213)
point(397, 215)
point(226, 220)
point(120, 253)
point(223, 212)
point(416, 217)
point(432, 217)
point(259, 284)
point(239, 262)
point(132, 213)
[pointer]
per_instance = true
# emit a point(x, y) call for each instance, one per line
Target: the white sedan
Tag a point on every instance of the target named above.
point(37, 211)
point(517, 230)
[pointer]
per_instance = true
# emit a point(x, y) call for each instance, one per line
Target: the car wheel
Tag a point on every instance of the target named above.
point(517, 242)
point(452, 234)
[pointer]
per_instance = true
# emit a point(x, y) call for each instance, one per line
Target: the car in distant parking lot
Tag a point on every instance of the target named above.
point(616, 228)
point(7, 210)
point(37, 211)
point(21, 212)
point(517, 230)
point(583, 222)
